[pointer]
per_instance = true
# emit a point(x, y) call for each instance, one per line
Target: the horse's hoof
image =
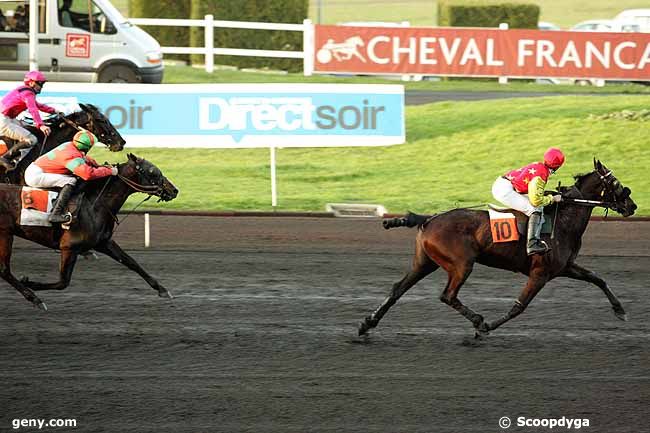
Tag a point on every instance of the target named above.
point(481, 334)
point(363, 328)
point(366, 324)
point(41, 305)
point(165, 294)
point(482, 331)
point(621, 315)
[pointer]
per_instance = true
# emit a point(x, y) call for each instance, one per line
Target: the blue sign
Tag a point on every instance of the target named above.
point(243, 115)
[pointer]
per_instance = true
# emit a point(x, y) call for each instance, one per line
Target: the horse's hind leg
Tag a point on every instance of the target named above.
point(6, 243)
point(577, 272)
point(422, 266)
point(113, 250)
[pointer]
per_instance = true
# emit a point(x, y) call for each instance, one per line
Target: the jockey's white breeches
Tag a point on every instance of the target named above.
point(503, 191)
point(36, 177)
point(13, 129)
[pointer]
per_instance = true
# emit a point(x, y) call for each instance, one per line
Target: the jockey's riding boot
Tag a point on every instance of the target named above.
point(7, 160)
point(535, 245)
point(58, 215)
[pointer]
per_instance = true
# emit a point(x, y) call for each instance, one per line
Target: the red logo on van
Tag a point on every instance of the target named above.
point(77, 45)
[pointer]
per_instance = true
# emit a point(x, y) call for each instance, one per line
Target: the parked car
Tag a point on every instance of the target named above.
point(607, 26)
point(544, 25)
point(637, 16)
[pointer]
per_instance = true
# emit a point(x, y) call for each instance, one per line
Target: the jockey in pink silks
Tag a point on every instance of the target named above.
point(12, 104)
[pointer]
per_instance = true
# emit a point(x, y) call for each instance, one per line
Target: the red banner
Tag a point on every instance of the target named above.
point(481, 52)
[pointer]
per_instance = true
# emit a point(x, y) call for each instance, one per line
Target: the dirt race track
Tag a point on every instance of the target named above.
point(261, 336)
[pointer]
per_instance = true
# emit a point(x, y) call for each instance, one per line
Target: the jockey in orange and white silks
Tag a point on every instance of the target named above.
point(61, 166)
point(15, 102)
point(523, 190)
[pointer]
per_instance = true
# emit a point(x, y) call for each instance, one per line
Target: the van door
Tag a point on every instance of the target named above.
point(85, 35)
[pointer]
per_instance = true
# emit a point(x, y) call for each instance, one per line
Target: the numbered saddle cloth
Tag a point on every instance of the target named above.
point(509, 225)
point(36, 206)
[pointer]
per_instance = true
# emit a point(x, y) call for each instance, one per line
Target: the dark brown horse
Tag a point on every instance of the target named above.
point(457, 239)
point(91, 230)
point(63, 129)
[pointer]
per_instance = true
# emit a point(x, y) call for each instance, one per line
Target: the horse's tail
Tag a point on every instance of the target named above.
point(410, 220)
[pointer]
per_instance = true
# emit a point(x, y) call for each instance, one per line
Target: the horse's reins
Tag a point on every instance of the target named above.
point(73, 124)
point(149, 190)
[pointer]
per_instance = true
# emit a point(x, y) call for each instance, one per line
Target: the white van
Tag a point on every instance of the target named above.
point(78, 40)
point(639, 16)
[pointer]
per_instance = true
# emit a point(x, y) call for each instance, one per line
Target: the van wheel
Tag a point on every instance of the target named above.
point(118, 74)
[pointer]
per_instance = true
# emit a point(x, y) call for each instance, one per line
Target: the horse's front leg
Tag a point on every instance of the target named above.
point(113, 250)
point(577, 272)
point(68, 260)
point(536, 281)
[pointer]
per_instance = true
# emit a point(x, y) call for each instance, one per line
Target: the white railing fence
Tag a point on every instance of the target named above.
point(209, 51)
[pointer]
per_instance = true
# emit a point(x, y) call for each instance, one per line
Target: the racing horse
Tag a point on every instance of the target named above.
point(92, 229)
point(63, 129)
point(457, 239)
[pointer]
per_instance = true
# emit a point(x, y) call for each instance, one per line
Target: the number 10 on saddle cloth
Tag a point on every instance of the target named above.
point(503, 226)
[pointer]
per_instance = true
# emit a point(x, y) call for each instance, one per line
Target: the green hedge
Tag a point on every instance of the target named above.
point(166, 36)
point(459, 13)
point(276, 11)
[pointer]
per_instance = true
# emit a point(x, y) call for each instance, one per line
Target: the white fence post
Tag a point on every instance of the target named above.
point(308, 48)
point(147, 232)
point(209, 43)
point(503, 80)
point(33, 35)
point(274, 191)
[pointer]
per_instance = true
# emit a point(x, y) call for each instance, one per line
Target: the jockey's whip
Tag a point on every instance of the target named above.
point(557, 206)
point(40, 151)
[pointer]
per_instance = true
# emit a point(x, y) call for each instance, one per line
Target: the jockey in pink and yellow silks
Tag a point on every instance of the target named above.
point(61, 166)
point(523, 190)
point(15, 102)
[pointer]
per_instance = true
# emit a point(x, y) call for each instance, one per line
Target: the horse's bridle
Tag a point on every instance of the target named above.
point(152, 189)
point(611, 190)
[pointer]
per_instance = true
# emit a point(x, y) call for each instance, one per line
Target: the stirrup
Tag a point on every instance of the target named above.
point(540, 247)
point(64, 218)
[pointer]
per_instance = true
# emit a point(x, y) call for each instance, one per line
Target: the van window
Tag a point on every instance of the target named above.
point(85, 15)
point(14, 16)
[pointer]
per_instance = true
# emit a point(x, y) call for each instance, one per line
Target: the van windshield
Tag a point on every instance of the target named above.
point(85, 15)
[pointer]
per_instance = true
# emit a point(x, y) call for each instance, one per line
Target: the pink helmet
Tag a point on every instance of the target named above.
point(553, 158)
point(37, 76)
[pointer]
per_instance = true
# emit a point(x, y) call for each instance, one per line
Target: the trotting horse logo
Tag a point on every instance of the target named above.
point(341, 51)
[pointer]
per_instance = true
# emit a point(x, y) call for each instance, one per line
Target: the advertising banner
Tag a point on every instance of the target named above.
point(241, 115)
point(481, 52)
